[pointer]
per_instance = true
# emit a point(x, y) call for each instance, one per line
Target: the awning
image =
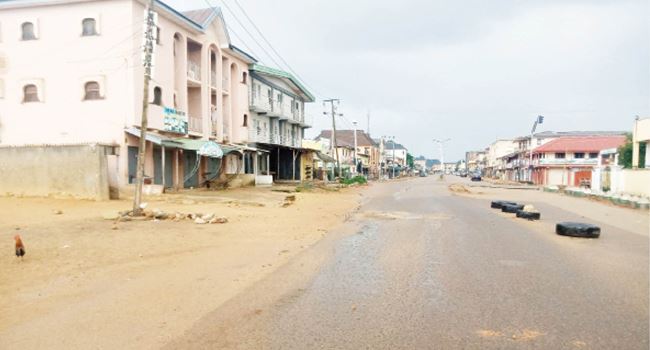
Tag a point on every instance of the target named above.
point(201, 147)
point(155, 138)
point(324, 157)
point(240, 149)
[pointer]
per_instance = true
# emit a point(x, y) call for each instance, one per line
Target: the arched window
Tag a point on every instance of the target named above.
point(88, 27)
point(157, 96)
point(30, 93)
point(28, 31)
point(245, 120)
point(91, 90)
point(244, 75)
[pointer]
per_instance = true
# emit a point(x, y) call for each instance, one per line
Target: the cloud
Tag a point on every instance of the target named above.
point(470, 70)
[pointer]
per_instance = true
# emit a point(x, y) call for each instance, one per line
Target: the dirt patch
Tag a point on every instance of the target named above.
point(394, 215)
point(458, 188)
point(488, 333)
point(83, 270)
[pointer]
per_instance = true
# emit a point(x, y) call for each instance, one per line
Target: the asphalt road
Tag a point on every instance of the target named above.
point(421, 268)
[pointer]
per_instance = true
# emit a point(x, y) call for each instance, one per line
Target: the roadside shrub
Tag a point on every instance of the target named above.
point(357, 179)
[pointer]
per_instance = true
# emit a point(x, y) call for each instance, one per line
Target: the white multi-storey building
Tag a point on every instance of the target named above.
point(71, 73)
point(277, 124)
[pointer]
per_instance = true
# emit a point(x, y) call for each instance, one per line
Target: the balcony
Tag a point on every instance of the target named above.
point(213, 79)
point(193, 71)
point(195, 124)
point(567, 161)
point(215, 127)
point(225, 84)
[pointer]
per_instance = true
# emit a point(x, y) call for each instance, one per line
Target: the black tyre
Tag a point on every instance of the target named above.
point(577, 229)
point(528, 215)
point(511, 208)
point(500, 204)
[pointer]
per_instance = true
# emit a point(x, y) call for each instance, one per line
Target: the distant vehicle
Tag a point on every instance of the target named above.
point(423, 173)
point(476, 177)
point(463, 174)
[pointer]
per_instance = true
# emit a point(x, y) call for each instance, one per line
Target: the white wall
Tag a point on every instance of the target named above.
point(60, 62)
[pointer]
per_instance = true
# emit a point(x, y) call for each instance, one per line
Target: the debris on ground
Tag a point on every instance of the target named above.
point(288, 200)
point(160, 215)
point(58, 212)
point(458, 188)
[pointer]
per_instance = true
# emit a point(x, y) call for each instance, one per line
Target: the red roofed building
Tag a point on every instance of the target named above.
point(569, 161)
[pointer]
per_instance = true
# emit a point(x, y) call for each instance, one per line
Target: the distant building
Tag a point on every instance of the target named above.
point(367, 149)
point(569, 161)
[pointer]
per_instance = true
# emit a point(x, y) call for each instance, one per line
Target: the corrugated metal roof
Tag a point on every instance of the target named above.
point(255, 67)
point(581, 144)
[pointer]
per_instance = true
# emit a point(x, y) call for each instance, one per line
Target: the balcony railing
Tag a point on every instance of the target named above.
point(193, 71)
point(565, 161)
point(195, 124)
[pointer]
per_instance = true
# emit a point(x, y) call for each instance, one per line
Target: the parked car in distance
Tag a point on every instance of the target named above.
point(463, 174)
point(476, 177)
point(423, 173)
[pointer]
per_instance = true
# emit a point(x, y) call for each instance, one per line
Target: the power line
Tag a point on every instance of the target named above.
point(230, 29)
point(271, 46)
point(249, 33)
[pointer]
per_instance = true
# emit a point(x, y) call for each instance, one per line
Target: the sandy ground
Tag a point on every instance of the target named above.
point(89, 283)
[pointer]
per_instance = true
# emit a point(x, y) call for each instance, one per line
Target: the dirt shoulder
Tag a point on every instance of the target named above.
point(87, 282)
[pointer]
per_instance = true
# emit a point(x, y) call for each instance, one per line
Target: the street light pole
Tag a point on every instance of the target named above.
point(539, 120)
point(441, 144)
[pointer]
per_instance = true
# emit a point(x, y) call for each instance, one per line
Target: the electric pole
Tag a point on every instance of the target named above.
point(333, 144)
point(148, 50)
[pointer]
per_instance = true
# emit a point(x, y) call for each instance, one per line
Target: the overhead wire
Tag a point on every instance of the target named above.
point(288, 66)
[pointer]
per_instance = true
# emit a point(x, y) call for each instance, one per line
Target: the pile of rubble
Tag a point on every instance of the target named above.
point(158, 215)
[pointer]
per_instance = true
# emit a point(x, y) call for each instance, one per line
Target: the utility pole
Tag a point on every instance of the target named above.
point(333, 144)
point(355, 146)
point(148, 50)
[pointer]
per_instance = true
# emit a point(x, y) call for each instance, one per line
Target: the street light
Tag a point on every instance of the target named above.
point(539, 120)
point(441, 144)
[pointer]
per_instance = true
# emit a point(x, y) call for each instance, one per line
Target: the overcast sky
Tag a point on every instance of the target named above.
point(469, 70)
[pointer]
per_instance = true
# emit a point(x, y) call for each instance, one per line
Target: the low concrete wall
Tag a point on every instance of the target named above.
point(636, 182)
point(78, 171)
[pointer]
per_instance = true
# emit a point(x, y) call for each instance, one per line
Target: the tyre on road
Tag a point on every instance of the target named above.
point(511, 208)
point(577, 229)
point(500, 204)
point(530, 215)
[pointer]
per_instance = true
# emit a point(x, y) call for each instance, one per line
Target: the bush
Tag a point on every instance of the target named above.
point(357, 179)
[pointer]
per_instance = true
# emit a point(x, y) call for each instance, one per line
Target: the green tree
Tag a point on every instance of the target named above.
point(625, 153)
point(409, 161)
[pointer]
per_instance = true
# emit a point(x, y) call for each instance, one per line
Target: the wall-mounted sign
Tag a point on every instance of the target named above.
point(174, 121)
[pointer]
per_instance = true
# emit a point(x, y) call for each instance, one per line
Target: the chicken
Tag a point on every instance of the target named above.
point(20, 247)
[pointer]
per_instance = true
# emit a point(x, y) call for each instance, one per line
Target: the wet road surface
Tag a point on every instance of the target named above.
point(421, 268)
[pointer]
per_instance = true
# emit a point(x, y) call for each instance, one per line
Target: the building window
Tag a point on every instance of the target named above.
point(88, 27)
point(593, 155)
point(157, 96)
point(30, 93)
point(244, 76)
point(245, 120)
point(157, 35)
point(579, 155)
point(28, 31)
point(91, 90)
point(560, 155)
